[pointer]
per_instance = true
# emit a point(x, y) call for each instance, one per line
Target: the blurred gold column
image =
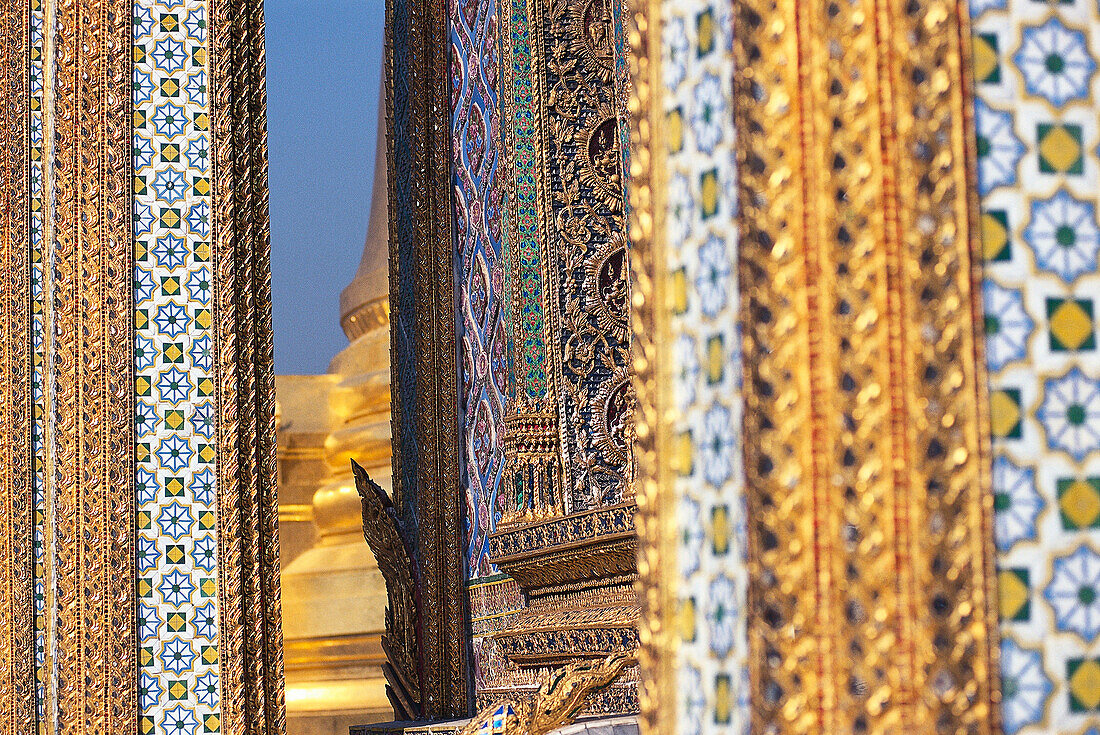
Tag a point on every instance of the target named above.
point(334, 597)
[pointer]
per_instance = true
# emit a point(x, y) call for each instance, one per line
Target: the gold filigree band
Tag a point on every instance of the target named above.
point(865, 449)
point(91, 680)
point(655, 491)
point(17, 655)
point(248, 585)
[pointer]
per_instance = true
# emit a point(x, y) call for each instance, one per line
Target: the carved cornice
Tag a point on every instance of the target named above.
point(597, 544)
point(541, 637)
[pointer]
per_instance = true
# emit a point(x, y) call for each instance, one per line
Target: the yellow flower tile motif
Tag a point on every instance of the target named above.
point(178, 687)
point(1036, 114)
point(702, 263)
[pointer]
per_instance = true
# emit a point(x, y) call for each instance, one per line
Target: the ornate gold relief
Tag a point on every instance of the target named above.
point(91, 681)
point(17, 654)
point(869, 499)
point(248, 588)
point(558, 701)
point(569, 262)
point(592, 30)
point(567, 532)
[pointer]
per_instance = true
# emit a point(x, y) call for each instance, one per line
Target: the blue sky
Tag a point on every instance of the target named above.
point(323, 70)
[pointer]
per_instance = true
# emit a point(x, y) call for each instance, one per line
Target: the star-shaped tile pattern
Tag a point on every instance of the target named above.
point(174, 382)
point(1037, 84)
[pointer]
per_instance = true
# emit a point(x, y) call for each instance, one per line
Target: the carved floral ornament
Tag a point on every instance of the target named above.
point(841, 490)
point(747, 441)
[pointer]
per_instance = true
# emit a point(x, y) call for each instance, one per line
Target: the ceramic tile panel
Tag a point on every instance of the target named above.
point(175, 420)
point(479, 248)
point(1035, 66)
point(701, 235)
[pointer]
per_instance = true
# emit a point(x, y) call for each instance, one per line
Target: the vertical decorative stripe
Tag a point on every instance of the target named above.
point(479, 256)
point(17, 633)
point(424, 386)
point(480, 168)
point(696, 72)
point(941, 421)
point(776, 419)
point(865, 447)
point(688, 369)
point(38, 341)
point(91, 648)
point(1036, 81)
point(533, 377)
point(176, 414)
point(251, 668)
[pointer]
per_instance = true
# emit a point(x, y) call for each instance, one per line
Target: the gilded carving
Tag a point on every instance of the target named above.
point(582, 274)
point(91, 684)
point(593, 32)
point(584, 184)
point(567, 532)
point(392, 549)
point(17, 629)
point(249, 603)
point(558, 701)
point(866, 464)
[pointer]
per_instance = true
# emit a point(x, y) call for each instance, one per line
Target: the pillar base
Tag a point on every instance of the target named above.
point(627, 725)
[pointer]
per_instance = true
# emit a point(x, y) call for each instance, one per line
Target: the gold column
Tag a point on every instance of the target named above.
point(865, 451)
point(17, 630)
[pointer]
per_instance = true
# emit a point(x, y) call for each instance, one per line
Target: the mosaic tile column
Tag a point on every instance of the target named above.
point(176, 415)
point(684, 263)
point(139, 551)
point(1036, 83)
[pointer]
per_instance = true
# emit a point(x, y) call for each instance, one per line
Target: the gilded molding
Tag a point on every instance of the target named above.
point(17, 629)
point(252, 699)
point(652, 374)
point(367, 317)
point(865, 449)
point(422, 328)
point(91, 683)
